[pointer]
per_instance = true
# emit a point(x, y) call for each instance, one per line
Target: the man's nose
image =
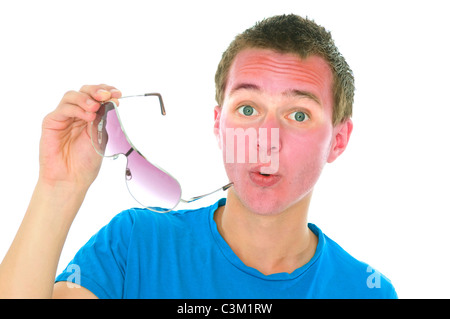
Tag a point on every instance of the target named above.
point(269, 135)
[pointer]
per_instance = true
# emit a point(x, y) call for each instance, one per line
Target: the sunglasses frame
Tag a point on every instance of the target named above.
point(163, 112)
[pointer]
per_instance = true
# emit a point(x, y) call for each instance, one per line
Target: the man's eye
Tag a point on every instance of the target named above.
point(247, 110)
point(299, 116)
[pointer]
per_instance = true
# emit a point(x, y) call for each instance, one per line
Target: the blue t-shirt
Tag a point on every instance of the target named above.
point(181, 254)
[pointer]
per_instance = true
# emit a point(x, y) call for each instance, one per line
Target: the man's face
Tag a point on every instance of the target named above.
point(285, 97)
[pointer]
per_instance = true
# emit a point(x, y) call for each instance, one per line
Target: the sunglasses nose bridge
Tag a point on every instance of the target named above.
point(128, 174)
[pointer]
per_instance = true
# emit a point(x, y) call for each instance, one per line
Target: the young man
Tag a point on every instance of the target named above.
point(283, 79)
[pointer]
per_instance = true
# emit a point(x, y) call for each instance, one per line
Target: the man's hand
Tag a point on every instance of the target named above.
point(66, 152)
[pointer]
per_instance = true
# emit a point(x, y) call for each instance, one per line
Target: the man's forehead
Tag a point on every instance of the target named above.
point(254, 57)
point(308, 77)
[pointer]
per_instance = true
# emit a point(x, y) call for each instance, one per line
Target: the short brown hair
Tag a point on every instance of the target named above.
point(296, 35)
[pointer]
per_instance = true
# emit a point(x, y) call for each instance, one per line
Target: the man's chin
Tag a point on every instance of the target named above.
point(266, 203)
point(261, 203)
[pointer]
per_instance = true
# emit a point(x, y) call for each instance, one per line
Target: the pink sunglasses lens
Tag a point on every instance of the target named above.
point(148, 184)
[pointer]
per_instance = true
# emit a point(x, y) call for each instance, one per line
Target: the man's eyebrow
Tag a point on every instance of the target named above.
point(302, 94)
point(287, 93)
point(245, 86)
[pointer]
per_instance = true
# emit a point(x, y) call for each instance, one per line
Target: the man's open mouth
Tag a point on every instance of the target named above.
point(264, 180)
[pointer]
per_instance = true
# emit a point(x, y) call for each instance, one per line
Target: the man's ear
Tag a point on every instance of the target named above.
point(217, 112)
point(341, 136)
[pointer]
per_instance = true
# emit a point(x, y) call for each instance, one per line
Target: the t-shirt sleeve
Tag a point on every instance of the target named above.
point(100, 265)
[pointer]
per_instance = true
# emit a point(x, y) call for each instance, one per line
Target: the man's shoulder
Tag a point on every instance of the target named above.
point(358, 275)
point(142, 218)
point(351, 276)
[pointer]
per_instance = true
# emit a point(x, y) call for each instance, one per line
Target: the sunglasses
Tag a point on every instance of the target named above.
point(150, 185)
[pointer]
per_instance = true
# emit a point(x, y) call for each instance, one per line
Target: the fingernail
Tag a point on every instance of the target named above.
point(89, 102)
point(115, 93)
point(101, 91)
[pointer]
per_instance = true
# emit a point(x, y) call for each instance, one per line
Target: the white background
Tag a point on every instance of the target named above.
point(386, 200)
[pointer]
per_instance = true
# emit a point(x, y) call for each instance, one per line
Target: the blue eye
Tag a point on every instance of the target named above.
point(247, 110)
point(299, 116)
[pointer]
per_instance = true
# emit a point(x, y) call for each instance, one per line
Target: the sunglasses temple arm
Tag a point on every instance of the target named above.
point(193, 199)
point(161, 103)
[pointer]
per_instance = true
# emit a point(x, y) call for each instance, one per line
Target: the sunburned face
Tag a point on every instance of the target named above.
point(287, 103)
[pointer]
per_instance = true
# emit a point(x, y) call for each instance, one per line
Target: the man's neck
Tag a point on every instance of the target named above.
point(271, 243)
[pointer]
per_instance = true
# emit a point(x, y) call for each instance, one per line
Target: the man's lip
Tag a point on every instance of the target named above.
point(258, 169)
point(263, 181)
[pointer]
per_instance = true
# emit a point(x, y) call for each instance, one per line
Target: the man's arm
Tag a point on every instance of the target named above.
point(68, 166)
point(28, 269)
point(63, 291)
